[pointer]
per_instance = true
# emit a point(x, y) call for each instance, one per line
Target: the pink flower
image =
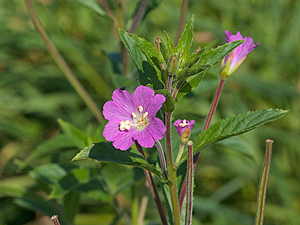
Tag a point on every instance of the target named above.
point(132, 118)
point(232, 61)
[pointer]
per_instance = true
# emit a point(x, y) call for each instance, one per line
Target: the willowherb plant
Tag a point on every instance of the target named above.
point(144, 119)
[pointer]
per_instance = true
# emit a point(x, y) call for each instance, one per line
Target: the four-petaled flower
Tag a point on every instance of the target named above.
point(183, 128)
point(233, 60)
point(132, 118)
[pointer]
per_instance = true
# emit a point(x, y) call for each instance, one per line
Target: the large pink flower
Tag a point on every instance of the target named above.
point(232, 61)
point(132, 118)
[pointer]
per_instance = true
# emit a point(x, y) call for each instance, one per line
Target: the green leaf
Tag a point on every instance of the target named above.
point(43, 205)
point(145, 58)
point(192, 59)
point(75, 135)
point(92, 5)
point(52, 146)
point(170, 44)
point(168, 105)
point(186, 39)
point(234, 125)
point(105, 152)
point(71, 204)
point(207, 61)
point(216, 54)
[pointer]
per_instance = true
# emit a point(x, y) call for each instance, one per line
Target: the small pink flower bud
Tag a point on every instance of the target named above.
point(184, 128)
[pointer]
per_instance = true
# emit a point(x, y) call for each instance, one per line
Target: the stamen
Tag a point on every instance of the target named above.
point(141, 108)
point(183, 124)
point(125, 125)
point(145, 114)
point(133, 115)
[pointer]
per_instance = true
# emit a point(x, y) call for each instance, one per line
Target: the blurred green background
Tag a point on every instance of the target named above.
point(36, 150)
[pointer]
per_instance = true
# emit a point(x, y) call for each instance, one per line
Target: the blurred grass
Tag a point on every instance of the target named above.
point(34, 94)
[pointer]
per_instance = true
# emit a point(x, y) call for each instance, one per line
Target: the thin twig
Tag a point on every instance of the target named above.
point(109, 13)
point(184, 8)
point(63, 65)
point(138, 16)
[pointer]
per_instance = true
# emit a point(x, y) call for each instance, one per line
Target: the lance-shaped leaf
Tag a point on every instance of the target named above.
point(105, 152)
point(185, 41)
point(145, 58)
point(170, 44)
point(233, 126)
point(207, 61)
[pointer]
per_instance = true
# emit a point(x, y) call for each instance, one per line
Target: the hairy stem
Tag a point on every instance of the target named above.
point(262, 188)
point(63, 65)
point(190, 177)
point(153, 189)
point(161, 158)
point(172, 171)
point(55, 220)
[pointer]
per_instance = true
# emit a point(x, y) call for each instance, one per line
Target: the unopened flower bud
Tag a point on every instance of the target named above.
point(184, 128)
point(172, 65)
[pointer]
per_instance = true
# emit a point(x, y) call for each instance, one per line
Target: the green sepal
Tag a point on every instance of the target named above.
point(169, 104)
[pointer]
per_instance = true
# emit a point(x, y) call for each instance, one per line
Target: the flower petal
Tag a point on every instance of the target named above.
point(156, 128)
point(124, 99)
point(111, 131)
point(151, 103)
point(113, 110)
point(144, 138)
point(124, 141)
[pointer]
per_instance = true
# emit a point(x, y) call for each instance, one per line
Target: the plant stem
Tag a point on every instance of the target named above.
point(143, 207)
point(161, 158)
point(179, 154)
point(172, 171)
point(138, 16)
point(214, 105)
point(190, 177)
point(153, 189)
point(184, 8)
point(109, 13)
point(206, 126)
point(63, 65)
point(262, 188)
point(55, 220)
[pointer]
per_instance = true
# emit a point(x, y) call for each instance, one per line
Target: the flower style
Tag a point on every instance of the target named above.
point(183, 128)
point(132, 118)
point(233, 60)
